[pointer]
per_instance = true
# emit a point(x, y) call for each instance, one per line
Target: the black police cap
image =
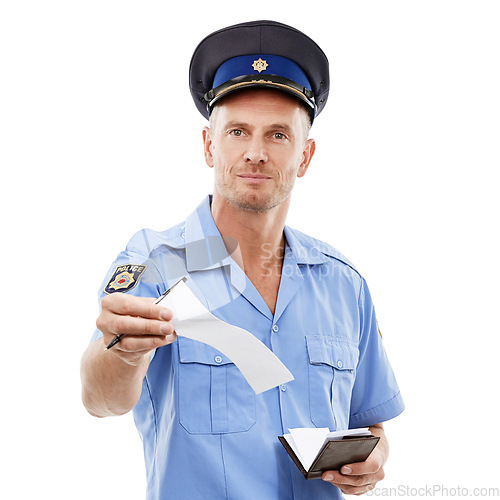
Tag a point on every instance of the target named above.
point(259, 54)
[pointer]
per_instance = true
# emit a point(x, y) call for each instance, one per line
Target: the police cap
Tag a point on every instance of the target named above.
point(259, 54)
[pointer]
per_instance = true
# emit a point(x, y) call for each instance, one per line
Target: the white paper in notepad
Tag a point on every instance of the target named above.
point(260, 366)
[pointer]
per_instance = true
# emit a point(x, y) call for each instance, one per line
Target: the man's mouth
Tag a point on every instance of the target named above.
point(254, 178)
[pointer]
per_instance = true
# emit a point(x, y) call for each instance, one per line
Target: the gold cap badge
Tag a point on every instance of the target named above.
point(260, 65)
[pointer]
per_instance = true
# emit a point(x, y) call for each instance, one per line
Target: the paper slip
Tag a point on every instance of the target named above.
point(259, 365)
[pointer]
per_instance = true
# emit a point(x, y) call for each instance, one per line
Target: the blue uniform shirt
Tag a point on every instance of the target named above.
point(205, 432)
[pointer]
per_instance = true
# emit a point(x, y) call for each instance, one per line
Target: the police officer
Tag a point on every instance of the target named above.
point(206, 434)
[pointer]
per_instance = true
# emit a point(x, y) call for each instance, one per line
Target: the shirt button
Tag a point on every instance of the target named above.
point(276, 328)
point(218, 360)
point(340, 364)
point(183, 235)
point(283, 387)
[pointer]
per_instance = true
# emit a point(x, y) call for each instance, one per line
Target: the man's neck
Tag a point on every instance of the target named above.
point(259, 235)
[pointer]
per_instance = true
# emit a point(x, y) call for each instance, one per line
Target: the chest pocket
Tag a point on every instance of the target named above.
point(214, 397)
point(332, 368)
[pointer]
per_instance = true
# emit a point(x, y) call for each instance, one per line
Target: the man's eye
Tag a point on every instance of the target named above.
point(279, 136)
point(237, 133)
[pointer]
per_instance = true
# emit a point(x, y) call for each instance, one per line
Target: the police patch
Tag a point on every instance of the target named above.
point(124, 278)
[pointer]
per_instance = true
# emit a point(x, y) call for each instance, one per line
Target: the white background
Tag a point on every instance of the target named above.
point(99, 138)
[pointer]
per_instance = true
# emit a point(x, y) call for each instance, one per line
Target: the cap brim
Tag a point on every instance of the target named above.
point(251, 82)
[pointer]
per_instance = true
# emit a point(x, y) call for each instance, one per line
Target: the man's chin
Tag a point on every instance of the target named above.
point(257, 204)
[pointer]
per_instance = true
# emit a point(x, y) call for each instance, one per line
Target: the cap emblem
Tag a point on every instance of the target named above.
point(260, 65)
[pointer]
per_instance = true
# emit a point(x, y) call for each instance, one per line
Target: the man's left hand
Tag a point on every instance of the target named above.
point(358, 478)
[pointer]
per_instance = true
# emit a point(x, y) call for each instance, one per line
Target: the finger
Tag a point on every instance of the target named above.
point(371, 465)
point(129, 305)
point(143, 344)
point(342, 480)
point(129, 325)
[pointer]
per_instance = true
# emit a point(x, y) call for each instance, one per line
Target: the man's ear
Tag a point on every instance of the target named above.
point(307, 154)
point(207, 146)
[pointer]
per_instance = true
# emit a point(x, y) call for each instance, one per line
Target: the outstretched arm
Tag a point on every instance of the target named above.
point(112, 379)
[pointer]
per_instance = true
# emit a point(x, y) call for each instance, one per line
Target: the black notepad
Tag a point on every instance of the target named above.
point(334, 453)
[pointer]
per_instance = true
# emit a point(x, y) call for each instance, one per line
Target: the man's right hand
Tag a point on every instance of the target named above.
point(145, 326)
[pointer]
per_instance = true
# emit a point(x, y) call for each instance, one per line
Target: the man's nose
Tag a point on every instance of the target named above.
point(256, 151)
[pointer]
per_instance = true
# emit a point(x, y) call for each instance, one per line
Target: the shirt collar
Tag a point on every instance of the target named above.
point(306, 250)
point(205, 248)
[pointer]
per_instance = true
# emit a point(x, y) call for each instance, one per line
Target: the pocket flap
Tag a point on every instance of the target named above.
point(332, 351)
point(192, 351)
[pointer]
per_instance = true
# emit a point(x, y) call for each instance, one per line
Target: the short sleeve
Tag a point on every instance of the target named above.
point(375, 396)
point(132, 272)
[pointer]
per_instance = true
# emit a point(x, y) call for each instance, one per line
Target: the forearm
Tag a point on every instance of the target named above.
point(110, 386)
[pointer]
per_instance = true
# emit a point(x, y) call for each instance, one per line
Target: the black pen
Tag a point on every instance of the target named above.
point(157, 301)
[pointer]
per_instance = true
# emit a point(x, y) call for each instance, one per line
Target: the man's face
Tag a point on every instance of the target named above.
point(257, 146)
